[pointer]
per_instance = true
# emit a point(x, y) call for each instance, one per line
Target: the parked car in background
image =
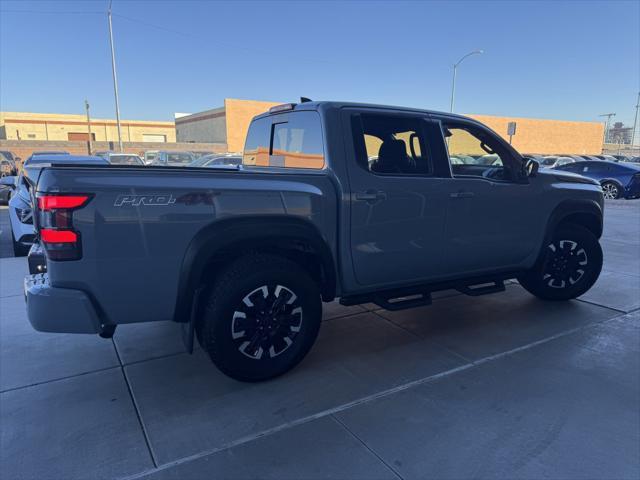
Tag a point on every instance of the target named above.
point(20, 206)
point(217, 159)
point(12, 162)
point(621, 158)
point(173, 159)
point(149, 156)
point(553, 161)
point(123, 159)
point(104, 154)
point(50, 152)
point(7, 166)
point(618, 180)
point(609, 158)
point(533, 156)
point(5, 194)
point(460, 159)
point(203, 154)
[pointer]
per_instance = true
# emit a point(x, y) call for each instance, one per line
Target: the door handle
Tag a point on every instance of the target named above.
point(370, 196)
point(462, 194)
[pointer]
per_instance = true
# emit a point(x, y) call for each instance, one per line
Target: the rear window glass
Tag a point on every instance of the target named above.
point(295, 142)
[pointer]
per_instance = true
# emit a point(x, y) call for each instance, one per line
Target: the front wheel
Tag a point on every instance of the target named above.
point(568, 267)
point(261, 318)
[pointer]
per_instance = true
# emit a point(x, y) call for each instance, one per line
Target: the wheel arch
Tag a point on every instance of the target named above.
point(221, 242)
point(586, 213)
point(611, 180)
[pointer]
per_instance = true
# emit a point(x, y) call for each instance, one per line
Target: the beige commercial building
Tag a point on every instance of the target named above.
point(63, 127)
point(229, 124)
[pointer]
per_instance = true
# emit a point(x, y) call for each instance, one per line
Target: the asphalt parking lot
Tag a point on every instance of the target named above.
point(500, 386)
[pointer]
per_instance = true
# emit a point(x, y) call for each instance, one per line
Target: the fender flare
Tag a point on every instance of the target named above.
point(247, 233)
point(567, 208)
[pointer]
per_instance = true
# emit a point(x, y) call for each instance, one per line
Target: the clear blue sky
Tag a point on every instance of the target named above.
point(566, 60)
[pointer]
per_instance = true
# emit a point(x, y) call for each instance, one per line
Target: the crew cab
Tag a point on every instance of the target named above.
point(332, 200)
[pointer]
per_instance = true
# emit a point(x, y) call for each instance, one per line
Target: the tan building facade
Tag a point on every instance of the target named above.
point(549, 136)
point(63, 127)
point(229, 124)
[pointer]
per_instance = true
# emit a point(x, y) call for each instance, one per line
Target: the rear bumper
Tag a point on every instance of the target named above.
point(59, 310)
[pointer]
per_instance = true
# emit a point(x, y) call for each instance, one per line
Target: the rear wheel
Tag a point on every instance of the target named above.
point(568, 267)
point(611, 191)
point(261, 318)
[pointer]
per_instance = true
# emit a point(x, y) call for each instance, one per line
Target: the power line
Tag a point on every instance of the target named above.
point(55, 12)
point(307, 58)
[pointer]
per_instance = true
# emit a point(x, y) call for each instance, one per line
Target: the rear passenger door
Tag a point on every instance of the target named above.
point(397, 198)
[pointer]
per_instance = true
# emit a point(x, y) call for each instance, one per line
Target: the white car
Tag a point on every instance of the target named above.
point(20, 215)
point(553, 161)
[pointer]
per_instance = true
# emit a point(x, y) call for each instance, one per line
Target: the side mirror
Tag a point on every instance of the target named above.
point(532, 166)
point(8, 181)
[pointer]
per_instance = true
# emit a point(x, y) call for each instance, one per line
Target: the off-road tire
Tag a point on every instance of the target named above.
point(221, 323)
point(556, 275)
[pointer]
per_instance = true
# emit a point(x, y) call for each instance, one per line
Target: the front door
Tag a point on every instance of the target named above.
point(398, 202)
point(492, 219)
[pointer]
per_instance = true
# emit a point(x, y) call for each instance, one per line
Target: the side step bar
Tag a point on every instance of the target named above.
point(400, 303)
point(419, 296)
point(482, 289)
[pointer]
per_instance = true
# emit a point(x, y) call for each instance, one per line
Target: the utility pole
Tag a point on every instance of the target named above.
point(115, 77)
point(455, 71)
point(606, 125)
point(635, 123)
point(86, 107)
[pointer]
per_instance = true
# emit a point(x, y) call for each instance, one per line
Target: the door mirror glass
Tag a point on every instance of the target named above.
point(532, 167)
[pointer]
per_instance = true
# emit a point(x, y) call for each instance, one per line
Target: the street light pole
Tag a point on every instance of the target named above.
point(455, 70)
point(115, 77)
point(635, 123)
point(86, 106)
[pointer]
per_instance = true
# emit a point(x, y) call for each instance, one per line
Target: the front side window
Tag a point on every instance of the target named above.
point(390, 145)
point(294, 142)
point(474, 152)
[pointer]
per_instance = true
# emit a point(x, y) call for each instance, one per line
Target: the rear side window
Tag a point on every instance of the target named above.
point(388, 144)
point(294, 142)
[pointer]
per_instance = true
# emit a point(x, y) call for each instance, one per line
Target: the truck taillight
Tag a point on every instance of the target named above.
point(55, 225)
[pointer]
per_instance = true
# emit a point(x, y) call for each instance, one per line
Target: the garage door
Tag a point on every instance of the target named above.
point(150, 137)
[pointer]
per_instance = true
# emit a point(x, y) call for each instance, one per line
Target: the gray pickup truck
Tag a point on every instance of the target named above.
point(333, 200)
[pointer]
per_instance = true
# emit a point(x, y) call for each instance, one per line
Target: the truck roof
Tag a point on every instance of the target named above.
point(320, 105)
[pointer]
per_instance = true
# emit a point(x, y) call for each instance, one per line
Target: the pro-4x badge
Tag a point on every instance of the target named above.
point(147, 200)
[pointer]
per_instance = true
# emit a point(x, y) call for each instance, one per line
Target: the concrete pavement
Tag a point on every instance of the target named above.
point(501, 386)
